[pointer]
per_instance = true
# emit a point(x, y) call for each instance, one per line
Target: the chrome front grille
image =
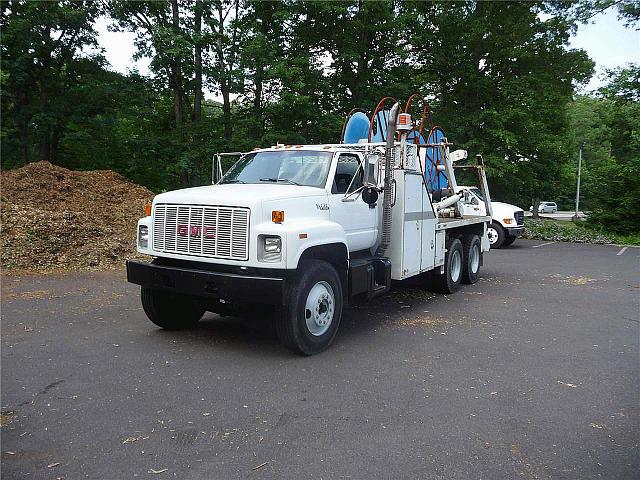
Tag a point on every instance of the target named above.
point(216, 232)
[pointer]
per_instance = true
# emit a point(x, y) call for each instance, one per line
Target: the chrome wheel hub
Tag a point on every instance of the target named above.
point(319, 308)
point(456, 265)
point(474, 260)
point(493, 235)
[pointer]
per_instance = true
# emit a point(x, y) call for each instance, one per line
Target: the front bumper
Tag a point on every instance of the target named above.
point(515, 231)
point(232, 287)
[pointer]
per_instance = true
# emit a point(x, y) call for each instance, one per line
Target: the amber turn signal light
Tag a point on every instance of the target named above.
point(147, 210)
point(277, 216)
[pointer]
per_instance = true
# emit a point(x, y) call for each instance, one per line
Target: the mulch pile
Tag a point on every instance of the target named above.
point(59, 219)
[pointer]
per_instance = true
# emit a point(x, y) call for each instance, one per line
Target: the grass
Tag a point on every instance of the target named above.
point(559, 231)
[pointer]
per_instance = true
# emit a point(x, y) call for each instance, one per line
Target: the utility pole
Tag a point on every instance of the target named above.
point(575, 216)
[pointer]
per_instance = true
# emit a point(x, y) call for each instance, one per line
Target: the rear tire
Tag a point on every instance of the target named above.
point(496, 235)
point(450, 280)
point(472, 258)
point(309, 321)
point(508, 241)
point(171, 311)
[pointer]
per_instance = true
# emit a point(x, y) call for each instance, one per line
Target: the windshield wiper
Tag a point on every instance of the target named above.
point(276, 180)
point(233, 181)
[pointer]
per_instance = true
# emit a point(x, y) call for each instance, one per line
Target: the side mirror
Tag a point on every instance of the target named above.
point(370, 195)
point(216, 169)
point(371, 162)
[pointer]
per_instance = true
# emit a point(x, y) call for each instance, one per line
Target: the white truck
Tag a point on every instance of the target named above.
point(507, 221)
point(306, 229)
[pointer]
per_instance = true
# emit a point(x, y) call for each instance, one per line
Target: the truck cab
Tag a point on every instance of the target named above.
point(304, 229)
point(507, 221)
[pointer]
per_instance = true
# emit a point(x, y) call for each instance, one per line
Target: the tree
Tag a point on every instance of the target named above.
point(585, 10)
point(41, 63)
point(506, 79)
point(610, 128)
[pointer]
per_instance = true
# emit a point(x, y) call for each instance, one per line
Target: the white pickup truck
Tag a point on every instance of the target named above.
point(507, 221)
point(303, 228)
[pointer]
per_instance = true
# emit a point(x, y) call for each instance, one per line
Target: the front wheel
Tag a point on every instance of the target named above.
point(496, 235)
point(171, 311)
point(309, 321)
point(509, 240)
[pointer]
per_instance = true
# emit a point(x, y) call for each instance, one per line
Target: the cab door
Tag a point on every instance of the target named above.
point(359, 220)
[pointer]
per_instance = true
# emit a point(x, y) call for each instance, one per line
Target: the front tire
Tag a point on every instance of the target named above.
point(309, 321)
point(496, 235)
point(449, 281)
point(472, 258)
point(509, 240)
point(171, 311)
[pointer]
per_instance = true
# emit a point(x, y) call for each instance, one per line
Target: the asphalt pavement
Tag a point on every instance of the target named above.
point(531, 373)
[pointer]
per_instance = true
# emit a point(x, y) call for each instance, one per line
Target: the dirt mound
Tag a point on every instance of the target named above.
point(54, 218)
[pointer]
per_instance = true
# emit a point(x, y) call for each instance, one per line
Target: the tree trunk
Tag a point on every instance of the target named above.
point(54, 141)
point(536, 204)
point(45, 144)
point(225, 89)
point(266, 10)
point(197, 101)
point(362, 63)
point(226, 110)
point(178, 87)
point(176, 75)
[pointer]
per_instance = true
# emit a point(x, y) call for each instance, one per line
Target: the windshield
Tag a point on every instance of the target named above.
point(294, 167)
point(476, 191)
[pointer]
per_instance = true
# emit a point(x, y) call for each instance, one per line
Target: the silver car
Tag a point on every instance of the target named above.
point(546, 207)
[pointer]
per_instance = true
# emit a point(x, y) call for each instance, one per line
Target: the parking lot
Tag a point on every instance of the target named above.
point(531, 373)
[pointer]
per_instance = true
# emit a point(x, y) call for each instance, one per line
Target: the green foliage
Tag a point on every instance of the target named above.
point(500, 77)
point(563, 231)
point(43, 75)
point(607, 127)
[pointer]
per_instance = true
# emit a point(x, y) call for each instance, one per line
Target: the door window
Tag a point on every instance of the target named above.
point(348, 172)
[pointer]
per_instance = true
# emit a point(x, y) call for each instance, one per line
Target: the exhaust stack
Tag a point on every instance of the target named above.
point(388, 180)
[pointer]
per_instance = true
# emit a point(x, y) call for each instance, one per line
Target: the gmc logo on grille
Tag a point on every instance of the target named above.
point(196, 231)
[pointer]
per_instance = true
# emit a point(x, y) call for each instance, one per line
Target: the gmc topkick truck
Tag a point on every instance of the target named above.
point(306, 228)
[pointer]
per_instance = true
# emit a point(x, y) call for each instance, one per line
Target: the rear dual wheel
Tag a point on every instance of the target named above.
point(472, 251)
point(461, 263)
point(449, 281)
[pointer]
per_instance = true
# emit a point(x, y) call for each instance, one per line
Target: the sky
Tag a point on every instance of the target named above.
point(608, 43)
point(605, 39)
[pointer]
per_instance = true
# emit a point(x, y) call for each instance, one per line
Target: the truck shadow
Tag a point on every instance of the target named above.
point(255, 332)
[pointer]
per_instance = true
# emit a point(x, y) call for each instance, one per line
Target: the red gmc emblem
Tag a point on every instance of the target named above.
point(196, 231)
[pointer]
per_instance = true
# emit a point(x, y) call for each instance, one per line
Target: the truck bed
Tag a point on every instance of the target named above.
point(446, 223)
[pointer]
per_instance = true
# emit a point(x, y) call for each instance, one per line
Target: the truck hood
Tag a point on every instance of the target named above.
point(241, 195)
point(504, 208)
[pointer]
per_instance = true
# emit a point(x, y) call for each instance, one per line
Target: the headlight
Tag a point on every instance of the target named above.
point(143, 236)
point(272, 245)
point(269, 248)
